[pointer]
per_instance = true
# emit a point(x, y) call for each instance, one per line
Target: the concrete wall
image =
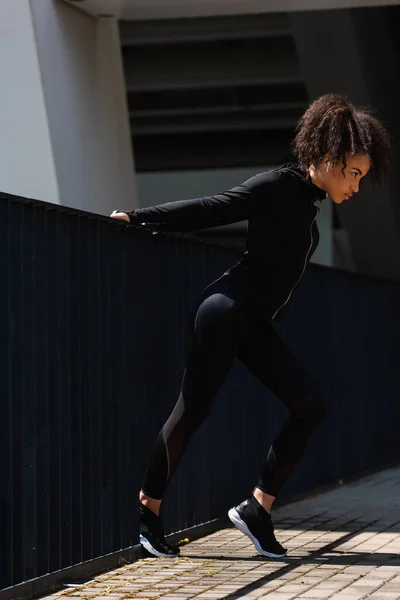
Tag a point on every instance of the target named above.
point(26, 155)
point(170, 9)
point(66, 41)
point(85, 93)
point(63, 115)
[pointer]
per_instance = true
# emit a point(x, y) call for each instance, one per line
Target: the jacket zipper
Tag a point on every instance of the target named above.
point(302, 273)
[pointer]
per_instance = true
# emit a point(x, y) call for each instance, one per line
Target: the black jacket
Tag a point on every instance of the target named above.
point(282, 233)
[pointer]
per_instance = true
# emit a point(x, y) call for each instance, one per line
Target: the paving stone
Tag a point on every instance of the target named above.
point(343, 545)
point(108, 597)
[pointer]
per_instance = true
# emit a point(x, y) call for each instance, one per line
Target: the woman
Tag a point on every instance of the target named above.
point(336, 146)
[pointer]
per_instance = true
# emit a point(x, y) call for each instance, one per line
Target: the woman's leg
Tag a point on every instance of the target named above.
point(269, 358)
point(218, 331)
point(274, 364)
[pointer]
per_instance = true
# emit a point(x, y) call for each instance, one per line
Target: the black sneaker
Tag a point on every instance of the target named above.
point(252, 520)
point(152, 535)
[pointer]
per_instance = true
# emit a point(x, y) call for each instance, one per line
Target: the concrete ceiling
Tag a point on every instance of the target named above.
point(99, 7)
point(170, 9)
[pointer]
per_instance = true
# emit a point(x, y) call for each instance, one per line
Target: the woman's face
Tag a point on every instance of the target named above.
point(340, 181)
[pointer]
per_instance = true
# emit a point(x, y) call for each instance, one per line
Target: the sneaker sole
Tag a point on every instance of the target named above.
point(146, 544)
point(241, 525)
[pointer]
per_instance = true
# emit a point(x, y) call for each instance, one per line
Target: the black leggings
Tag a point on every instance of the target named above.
point(223, 328)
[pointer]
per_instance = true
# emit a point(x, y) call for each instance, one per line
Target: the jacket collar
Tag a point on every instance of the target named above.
point(318, 194)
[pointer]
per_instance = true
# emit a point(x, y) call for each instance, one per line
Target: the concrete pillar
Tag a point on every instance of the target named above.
point(27, 166)
point(69, 142)
point(333, 50)
point(119, 184)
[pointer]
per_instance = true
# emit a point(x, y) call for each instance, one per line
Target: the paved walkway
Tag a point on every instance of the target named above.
point(343, 544)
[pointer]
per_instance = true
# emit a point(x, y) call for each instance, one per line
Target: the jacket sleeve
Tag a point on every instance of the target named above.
point(232, 206)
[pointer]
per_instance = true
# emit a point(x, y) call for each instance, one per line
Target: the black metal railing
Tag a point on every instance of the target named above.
point(93, 338)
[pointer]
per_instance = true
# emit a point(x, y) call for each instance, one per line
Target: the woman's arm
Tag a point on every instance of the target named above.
point(231, 206)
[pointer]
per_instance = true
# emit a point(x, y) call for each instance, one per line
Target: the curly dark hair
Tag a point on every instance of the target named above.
point(331, 125)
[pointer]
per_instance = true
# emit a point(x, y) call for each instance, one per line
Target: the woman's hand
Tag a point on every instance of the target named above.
point(120, 215)
point(123, 217)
